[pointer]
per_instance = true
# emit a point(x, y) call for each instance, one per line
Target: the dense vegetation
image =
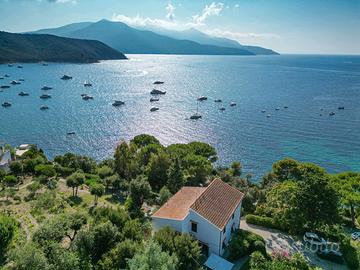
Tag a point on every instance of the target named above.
point(75, 213)
point(36, 48)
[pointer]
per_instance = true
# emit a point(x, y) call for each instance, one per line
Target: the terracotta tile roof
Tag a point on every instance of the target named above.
point(177, 207)
point(217, 203)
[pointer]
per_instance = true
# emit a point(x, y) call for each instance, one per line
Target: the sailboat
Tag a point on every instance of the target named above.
point(196, 115)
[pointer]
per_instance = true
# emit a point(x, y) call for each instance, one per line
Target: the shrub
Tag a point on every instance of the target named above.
point(8, 226)
point(262, 221)
point(350, 253)
point(46, 170)
point(244, 243)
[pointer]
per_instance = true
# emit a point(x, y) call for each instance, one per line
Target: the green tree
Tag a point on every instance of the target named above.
point(74, 181)
point(117, 257)
point(164, 195)
point(16, 167)
point(347, 185)
point(176, 178)
point(197, 169)
point(236, 168)
point(184, 247)
point(152, 258)
point(139, 191)
point(122, 160)
point(45, 169)
point(97, 190)
point(8, 227)
point(143, 140)
point(11, 181)
point(157, 170)
point(28, 257)
point(104, 171)
point(203, 149)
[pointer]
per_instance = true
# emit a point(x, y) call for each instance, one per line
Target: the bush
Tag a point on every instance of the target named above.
point(350, 254)
point(262, 221)
point(8, 226)
point(244, 243)
point(46, 170)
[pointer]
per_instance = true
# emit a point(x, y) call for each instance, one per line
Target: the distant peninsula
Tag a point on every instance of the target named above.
point(130, 40)
point(29, 48)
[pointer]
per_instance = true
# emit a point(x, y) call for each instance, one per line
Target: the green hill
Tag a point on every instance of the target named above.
point(49, 48)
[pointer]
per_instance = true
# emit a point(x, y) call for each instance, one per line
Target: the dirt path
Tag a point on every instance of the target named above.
point(277, 240)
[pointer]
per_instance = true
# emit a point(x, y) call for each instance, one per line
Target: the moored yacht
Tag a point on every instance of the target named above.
point(87, 97)
point(6, 104)
point(15, 82)
point(222, 109)
point(87, 84)
point(157, 92)
point(23, 94)
point(331, 113)
point(154, 99)
point(202, 98)
point(46, 88)
point(118, 103)
point(66, 77)
point(5, 86)
point(158, 82)
point(232, 104)
point(45, 96)
point(44, 107)
point(218, 100)
point(153, 109)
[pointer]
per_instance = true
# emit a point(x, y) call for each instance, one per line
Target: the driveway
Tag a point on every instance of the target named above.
point(276, 240)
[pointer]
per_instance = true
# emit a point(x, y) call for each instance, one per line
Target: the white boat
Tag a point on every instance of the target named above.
point(153, 109)
point(196, 115)
point(87, 84)
point(232, 104)
point(276, 109)
point(45, 96)
point(66, 77)
point(202, 98)
point(6, 104)
point(44, 107)
point(118, 103)
point(222, 109)
point(263, 111)
point(15, 82)
point(23, 94)
point(157, 92)
point(87, 97)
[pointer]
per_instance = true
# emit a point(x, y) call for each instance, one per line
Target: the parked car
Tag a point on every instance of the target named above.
point(331, 255)
point(314, 239)
point(355, 236)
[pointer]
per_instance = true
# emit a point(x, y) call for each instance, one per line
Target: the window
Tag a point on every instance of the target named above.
point(224, 230)
point(233, 215)
point(193, 226)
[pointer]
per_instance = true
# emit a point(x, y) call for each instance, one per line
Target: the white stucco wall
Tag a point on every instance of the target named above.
point(207, 233)
point(233, 222)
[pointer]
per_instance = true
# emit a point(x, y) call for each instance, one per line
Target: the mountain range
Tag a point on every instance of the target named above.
point(154, 40)
point(50, 48)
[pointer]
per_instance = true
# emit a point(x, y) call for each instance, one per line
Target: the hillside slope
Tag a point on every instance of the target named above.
point(35, 48)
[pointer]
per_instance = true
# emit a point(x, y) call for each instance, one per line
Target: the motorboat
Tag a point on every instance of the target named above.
point(5, 86)
point(45, 96)
point(232, 104)
point(45, 64)
point(222, 109)
point(202, 98)
point(6, 104)
point(154, 99)
point(10, 65)
point(70, 133)
point(19, 66)
point(153, 109)
point(158, 82)
point(218, 100)
point(87, 97)
point(157, 92)
point(87, 84)
point(21, 80)
point(15, 82)
point(331, 113)
point(268, 116)
point(263, 111)
point(118, 103)
point(66, 77)
point(341, 108)
point(23, 94)
point(6, 76)
point(44, 107)
point(46, 88)
point(285, 107)
point(276, 109)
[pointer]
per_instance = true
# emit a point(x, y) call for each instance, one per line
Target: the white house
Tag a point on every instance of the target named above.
point(209, 213)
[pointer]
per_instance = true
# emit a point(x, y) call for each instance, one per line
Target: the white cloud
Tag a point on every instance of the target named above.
point(144, 21)
point(213, 9)
point(170, 12)
point(241, 36)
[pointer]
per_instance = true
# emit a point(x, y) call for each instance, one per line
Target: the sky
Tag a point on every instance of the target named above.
point(287, 26)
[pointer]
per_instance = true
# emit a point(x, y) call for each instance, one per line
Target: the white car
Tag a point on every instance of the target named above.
point(314, 239)
point(355, 236)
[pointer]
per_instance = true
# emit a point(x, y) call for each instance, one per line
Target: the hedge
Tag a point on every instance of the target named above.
point(262, 221)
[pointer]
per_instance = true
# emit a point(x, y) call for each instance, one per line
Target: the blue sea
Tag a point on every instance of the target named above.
point(310, 86)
